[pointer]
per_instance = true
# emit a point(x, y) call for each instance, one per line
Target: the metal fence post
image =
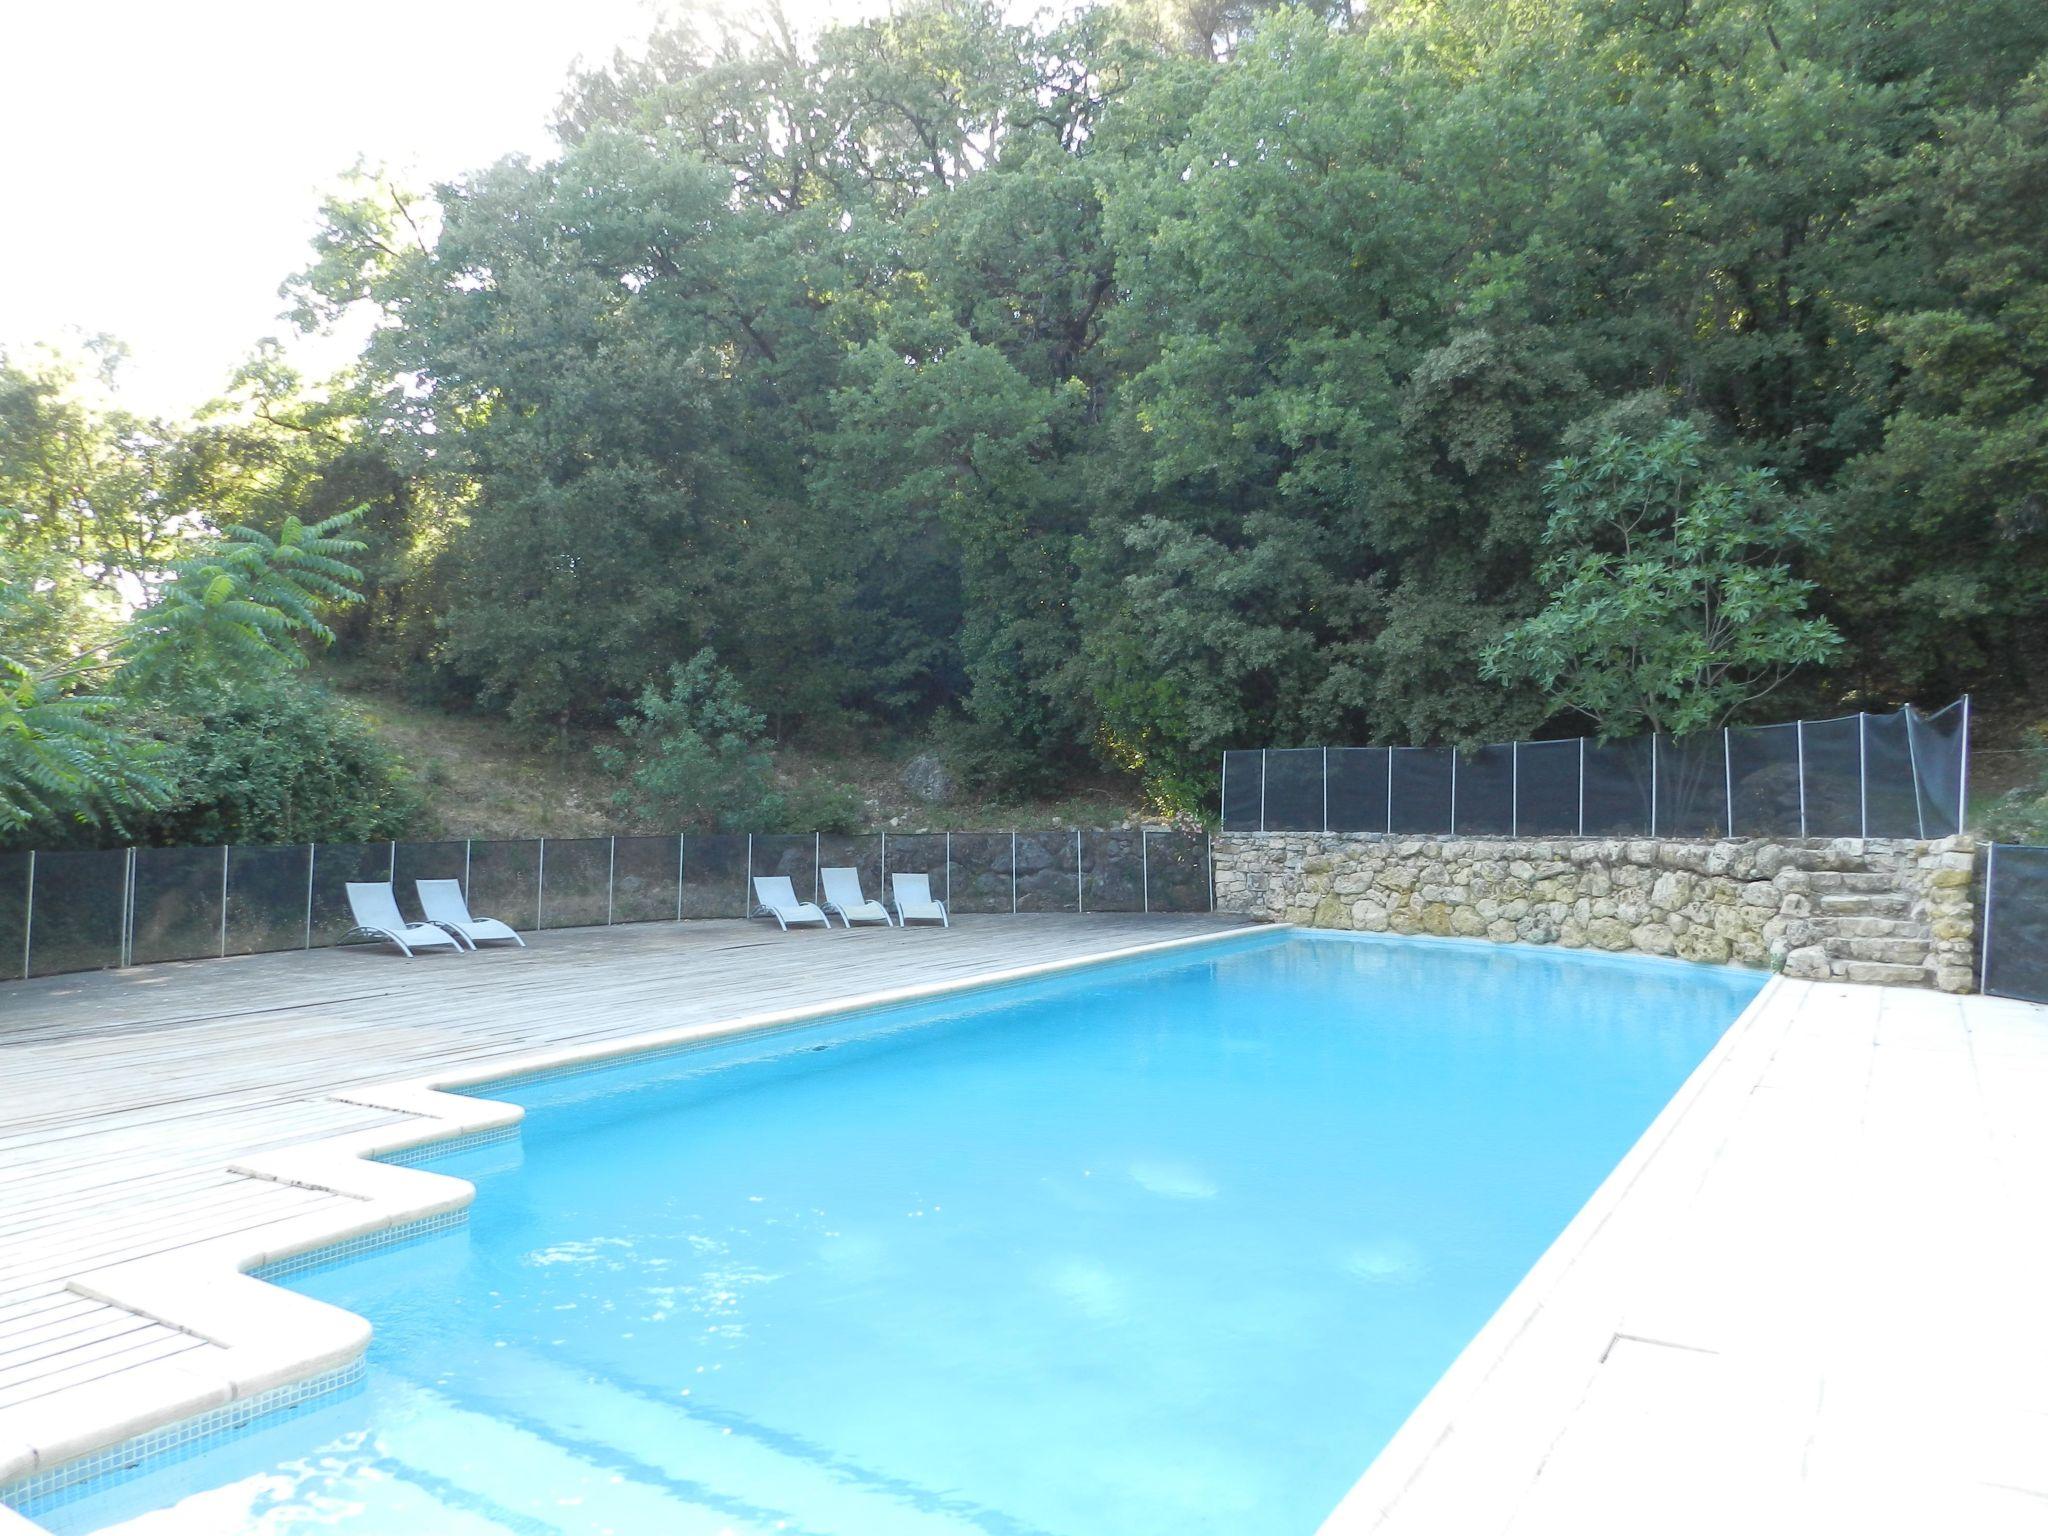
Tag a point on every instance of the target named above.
point(1963, 773)
point(1454, 791)
point(1145, 848)
point(540, 883)
point(312, 855)
point(1863, 772)
point(466, 849)
point(1080, 897)
point(1514, 789)
point(1653, 783)
point(1262, 789)
point(1799, 733)
point(1210, 851)
point(1913, 764)
point(1222, 795)
point(1728, 772)
point(1390, 789)
point(1013, 871)
point(949, 871)
point(391, 866)
point(1326, 789)
point(679, 877)
point(28, 917)
point(1990, 894)
point(1582, 786)
point(611, 878)
point(817, 861)
point(747, 881)
point(223, 903)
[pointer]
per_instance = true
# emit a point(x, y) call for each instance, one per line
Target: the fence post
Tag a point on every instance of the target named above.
point(747, 881)
point(1653, 783)
point(679, 877)
point(540, 883)
point(1326, 790)
point(1454, 791)
point(28, 917)
point(391, 866)
point(1210, 851)
point(1990, 892)
point(949, 871)
point(1863, 772)
point(1390, 789)
point(611, 878)
point(1799, 733)
point(223, 902)
point(1514, 789)
point(313, 854)
point(1080, 896)
point(127, 941)
point(1013, 869)
point(817, 862)
point(1222, 797)
point(1145, 847)
point(1262, 789)
point(1913, 763)
point(1963, 774)
point(1728, 772)
point(466, 849)
point(1582, 786)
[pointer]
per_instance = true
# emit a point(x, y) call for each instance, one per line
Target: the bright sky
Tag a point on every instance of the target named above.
point(161, 161)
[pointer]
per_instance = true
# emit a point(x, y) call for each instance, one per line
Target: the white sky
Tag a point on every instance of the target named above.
point(161, 161)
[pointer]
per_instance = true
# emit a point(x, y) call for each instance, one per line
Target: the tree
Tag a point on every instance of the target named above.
point(1669, 610)
point(697, 758)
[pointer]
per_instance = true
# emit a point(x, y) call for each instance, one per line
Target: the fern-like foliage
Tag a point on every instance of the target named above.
point(70, 749)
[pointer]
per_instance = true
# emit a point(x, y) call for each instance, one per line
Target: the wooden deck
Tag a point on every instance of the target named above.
point(125, 1095)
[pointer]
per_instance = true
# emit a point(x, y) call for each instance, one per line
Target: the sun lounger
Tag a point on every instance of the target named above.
point(914, 900)
point(445, 907)
point(844, 896)
point(375, 910)
point(777, 898)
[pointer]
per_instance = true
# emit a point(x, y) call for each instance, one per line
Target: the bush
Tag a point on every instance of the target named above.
point(277, 760)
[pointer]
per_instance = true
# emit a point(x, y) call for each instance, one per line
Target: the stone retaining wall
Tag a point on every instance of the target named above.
point(1898, 913)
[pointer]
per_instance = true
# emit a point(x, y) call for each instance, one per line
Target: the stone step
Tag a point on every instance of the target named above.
point(1836, 880)
point(1909, 952)
point(1860, 905)
point(1876, 927)
point(1879, 973)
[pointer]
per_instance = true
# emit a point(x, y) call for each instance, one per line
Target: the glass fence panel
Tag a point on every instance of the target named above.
point(862, 855)
point(14, 914)
point(1177, 871)
point(916, 853)
point(1692, 786)
point(2016, 918)
point(575, 882)
point(1048, 867)
point(1763, 762)
point(413, 862)
point(645, 871)
point(334, 866)
point(1294, 790)
point(1618, 788)
point(1112, 870)
point(1834, 780)
point(504, 881)
point(76, 910)
point(1243, 786)
point(1422, 790)
point(715, 875)
point(1485, 802)
point(1938, 741)
point(1547, 788)
point(267, 890)
point(1891, 800)
point(791, 854)
point(178, 904)
point(979, 874)
point(1358, 789)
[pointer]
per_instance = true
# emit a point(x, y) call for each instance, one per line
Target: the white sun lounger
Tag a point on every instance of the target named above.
point(843, 895)
point(443, 903)
point(777, 898)
point(376, 913)
point(914, 900)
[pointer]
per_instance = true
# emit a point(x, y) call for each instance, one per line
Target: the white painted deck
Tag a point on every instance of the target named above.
point(126, 1095)
point(1814, 1299)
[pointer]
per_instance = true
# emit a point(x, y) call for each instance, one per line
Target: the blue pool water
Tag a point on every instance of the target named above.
point(1155, 1249)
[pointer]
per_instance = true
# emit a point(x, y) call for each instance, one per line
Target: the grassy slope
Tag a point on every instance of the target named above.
point(483, 778)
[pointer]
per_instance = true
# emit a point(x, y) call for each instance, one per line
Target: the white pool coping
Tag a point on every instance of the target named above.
point(270, 1336)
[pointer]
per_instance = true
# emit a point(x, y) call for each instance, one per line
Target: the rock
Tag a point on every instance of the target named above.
point(927, 777)
point(1808, 964)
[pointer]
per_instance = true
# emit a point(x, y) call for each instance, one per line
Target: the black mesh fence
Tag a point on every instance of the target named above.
point(1547, 788)
point(335, 867)
point(645, 872)
point(76, 911)
point(504, 881)
point(1897, 775)
point(575, 882)
point(1420, 790)
point(978, 871)
point(414, 862)
point(1176, 868)
point(1048, 872)
point(179, 904)
point(1484, 802)
point(1112, 870)
point(2015, 958)
point(715, 880)
point(267, 894)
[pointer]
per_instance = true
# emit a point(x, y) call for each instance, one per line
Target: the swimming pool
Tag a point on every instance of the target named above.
point(1169, 1245)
